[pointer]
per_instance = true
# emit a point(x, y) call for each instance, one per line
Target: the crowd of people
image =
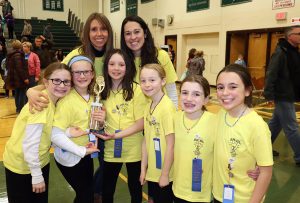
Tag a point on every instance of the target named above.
point(174, 151)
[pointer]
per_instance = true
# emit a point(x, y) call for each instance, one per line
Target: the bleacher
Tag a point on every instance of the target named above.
point(64, 37)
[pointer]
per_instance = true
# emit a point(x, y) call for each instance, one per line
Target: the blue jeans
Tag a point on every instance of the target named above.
point(284, 118)
point(20, 98)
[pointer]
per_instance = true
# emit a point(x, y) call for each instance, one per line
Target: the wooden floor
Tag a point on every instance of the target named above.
point(7, 118)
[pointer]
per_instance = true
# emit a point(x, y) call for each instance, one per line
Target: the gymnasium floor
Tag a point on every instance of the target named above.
point(284, 188)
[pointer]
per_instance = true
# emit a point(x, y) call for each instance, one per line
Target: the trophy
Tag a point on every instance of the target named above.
point(96, 106)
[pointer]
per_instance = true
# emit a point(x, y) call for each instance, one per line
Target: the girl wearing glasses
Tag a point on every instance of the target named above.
point(26, 157)
point(73, 111)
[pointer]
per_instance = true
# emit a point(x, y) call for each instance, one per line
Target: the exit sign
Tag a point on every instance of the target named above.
point(281, 16)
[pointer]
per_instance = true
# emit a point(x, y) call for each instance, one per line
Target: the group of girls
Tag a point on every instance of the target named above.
point(179, 151)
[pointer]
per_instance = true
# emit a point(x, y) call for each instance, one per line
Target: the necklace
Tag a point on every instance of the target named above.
point(115, 92)
point(190, 128)
point(151, 112)
point(231, 125)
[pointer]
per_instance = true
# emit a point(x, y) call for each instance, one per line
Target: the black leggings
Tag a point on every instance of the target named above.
point(159, 194)
point(19, 187)
point(216, 201)
point(80, 177)
point(178, 200)
point(111, 172)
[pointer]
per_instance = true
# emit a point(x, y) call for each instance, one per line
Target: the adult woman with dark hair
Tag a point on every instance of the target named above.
point(137, 41)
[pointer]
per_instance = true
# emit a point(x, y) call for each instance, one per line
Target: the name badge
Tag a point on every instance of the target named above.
point(228, 194)
point(118, 146)
point(196, 175)
point(157, 152)
point(93, 139)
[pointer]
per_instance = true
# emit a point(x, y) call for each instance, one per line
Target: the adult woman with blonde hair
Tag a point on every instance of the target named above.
point(33, 64)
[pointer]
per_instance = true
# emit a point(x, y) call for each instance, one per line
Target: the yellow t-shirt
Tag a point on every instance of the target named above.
point(98, 62)
point(165, 61)
point(13, 157)
point(185, 151)
point(249, 143)
point(121, 114)
point(158, 124)
point(73, 110)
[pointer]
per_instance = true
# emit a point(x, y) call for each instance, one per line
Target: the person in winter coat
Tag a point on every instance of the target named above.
point(17, 74)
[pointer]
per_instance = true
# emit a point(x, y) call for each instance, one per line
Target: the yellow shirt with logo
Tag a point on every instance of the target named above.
point(158, 123)
point(165, 61)
point(73, 110)
point(98, 62)
point(13, 157)
point(121, 114)
point(249, 143)
point(185, 151)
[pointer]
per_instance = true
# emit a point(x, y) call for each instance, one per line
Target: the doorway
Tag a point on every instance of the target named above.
point(172, 40)
point(257, 47)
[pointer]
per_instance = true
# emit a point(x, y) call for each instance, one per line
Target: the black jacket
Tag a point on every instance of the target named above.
point(282, 77)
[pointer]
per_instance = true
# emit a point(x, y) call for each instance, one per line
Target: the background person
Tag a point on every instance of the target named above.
point(17, 74)
point(283, 88)
point(196, 65)
point(27, 30)
point(240, 61)
point(33, 64)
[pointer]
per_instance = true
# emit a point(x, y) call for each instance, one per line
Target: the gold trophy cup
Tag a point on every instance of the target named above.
point(96, 105)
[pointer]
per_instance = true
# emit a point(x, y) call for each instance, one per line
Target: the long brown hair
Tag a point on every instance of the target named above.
point(87, 48)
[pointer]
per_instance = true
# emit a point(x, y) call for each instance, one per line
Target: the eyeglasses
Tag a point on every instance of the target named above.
point(57, 82)
point(296, 33)
point(85, 73)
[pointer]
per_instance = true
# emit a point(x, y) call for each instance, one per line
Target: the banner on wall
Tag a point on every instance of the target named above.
point(278, 4)
point(53, 5)
point(146, 1)
point(232, 2)
point(196, 5)
point(131, 7)
point(114, 5)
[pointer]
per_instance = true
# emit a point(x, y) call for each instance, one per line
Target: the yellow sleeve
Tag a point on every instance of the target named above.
point(73, 53)
point(262, 145)
point(38, 117)
point(166, 63)
point(168, 121)
point(139, 103)
point(63, 114)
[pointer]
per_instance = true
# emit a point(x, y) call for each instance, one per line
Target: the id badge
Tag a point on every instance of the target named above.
point(93, 139)
point(118, 146)
point(157, 152)
point(228, 194)
point(196, 175)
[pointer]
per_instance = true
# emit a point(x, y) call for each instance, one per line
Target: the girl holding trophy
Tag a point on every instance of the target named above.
point(124, 103)
point(73, 111)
